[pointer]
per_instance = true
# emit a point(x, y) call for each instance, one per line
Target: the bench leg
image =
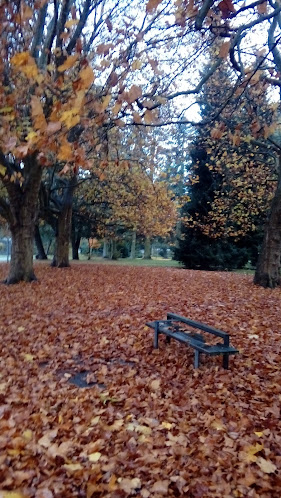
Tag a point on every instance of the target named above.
point(225, 362)
point(196, 359)
point(156, 333)
point(168, 339)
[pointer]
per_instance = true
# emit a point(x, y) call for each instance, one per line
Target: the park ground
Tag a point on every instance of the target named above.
point(89, 409)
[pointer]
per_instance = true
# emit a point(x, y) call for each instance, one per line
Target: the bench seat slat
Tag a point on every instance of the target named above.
point(215, 349)
point(197, 344)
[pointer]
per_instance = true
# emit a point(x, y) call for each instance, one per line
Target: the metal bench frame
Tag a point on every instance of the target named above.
point(171, 329)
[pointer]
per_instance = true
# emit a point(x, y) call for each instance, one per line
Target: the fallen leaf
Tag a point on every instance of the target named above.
point(160, 486)
point(129, 485)
point(73, 466)
point(266, 465)
point(94, 457)
point(155, 384)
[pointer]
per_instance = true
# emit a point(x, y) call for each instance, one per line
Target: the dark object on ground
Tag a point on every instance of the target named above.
point(171, 328)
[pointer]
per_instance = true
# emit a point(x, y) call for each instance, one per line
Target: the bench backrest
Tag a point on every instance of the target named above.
point(201, 326)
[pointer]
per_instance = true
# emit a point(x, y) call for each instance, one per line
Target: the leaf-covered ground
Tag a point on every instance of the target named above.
point(143, 423)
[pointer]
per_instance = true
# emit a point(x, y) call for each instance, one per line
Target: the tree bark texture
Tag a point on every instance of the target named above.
point(23, 201)
point(63, 230)
point(61, 255)
point(268, 267)
point(147, 248)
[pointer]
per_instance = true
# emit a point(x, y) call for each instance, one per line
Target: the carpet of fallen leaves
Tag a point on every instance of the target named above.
point(143, 422)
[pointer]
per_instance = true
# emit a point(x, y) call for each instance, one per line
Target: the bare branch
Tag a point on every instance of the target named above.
point(65, 9)
point(202, 14)
point(272, 43)
point(80, 25)
point(39, 30)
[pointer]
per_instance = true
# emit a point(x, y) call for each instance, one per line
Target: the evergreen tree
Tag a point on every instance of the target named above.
point(198, 249)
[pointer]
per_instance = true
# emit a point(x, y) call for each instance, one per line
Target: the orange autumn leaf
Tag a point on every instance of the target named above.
point(68, 63)
point(86, 77)
point(65, 152)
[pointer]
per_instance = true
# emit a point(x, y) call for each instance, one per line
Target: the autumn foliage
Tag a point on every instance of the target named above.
point(144, 423)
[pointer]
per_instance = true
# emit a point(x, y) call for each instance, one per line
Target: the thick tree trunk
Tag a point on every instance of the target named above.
point(21, 265)
point(63, 232)
point(41, 254)
point(268, 266)
point(23, 214)
point(61, 256)
point(133, 245)
point(147, 248)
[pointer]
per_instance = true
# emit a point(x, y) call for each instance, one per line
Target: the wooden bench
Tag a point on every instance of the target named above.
point(172, 328)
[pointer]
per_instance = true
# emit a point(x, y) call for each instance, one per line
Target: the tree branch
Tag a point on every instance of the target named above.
point(39, 31)
point(202, 14)
point(65, 9)
point(273, 44)
point(80, 25)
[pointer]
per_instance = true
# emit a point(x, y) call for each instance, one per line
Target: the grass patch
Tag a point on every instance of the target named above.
point(160, 262)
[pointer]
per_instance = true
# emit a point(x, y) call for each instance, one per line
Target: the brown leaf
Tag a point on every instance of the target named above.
point(160, 486)
point(152, 5)
point(224, 49)
point(262, 7)
point(129, 485)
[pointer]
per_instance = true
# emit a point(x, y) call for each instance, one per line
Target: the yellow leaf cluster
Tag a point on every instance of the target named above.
point(26, 64)
point(70, 118)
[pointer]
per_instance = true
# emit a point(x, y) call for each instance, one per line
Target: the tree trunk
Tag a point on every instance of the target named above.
point(61, 255)
point(105, 251)
point(113, 250)
point(23, 214)
point(76, 239)
point(133, 245)
point(41, 254)
point(268, 266)
point(147, 248)
point(178, 234)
